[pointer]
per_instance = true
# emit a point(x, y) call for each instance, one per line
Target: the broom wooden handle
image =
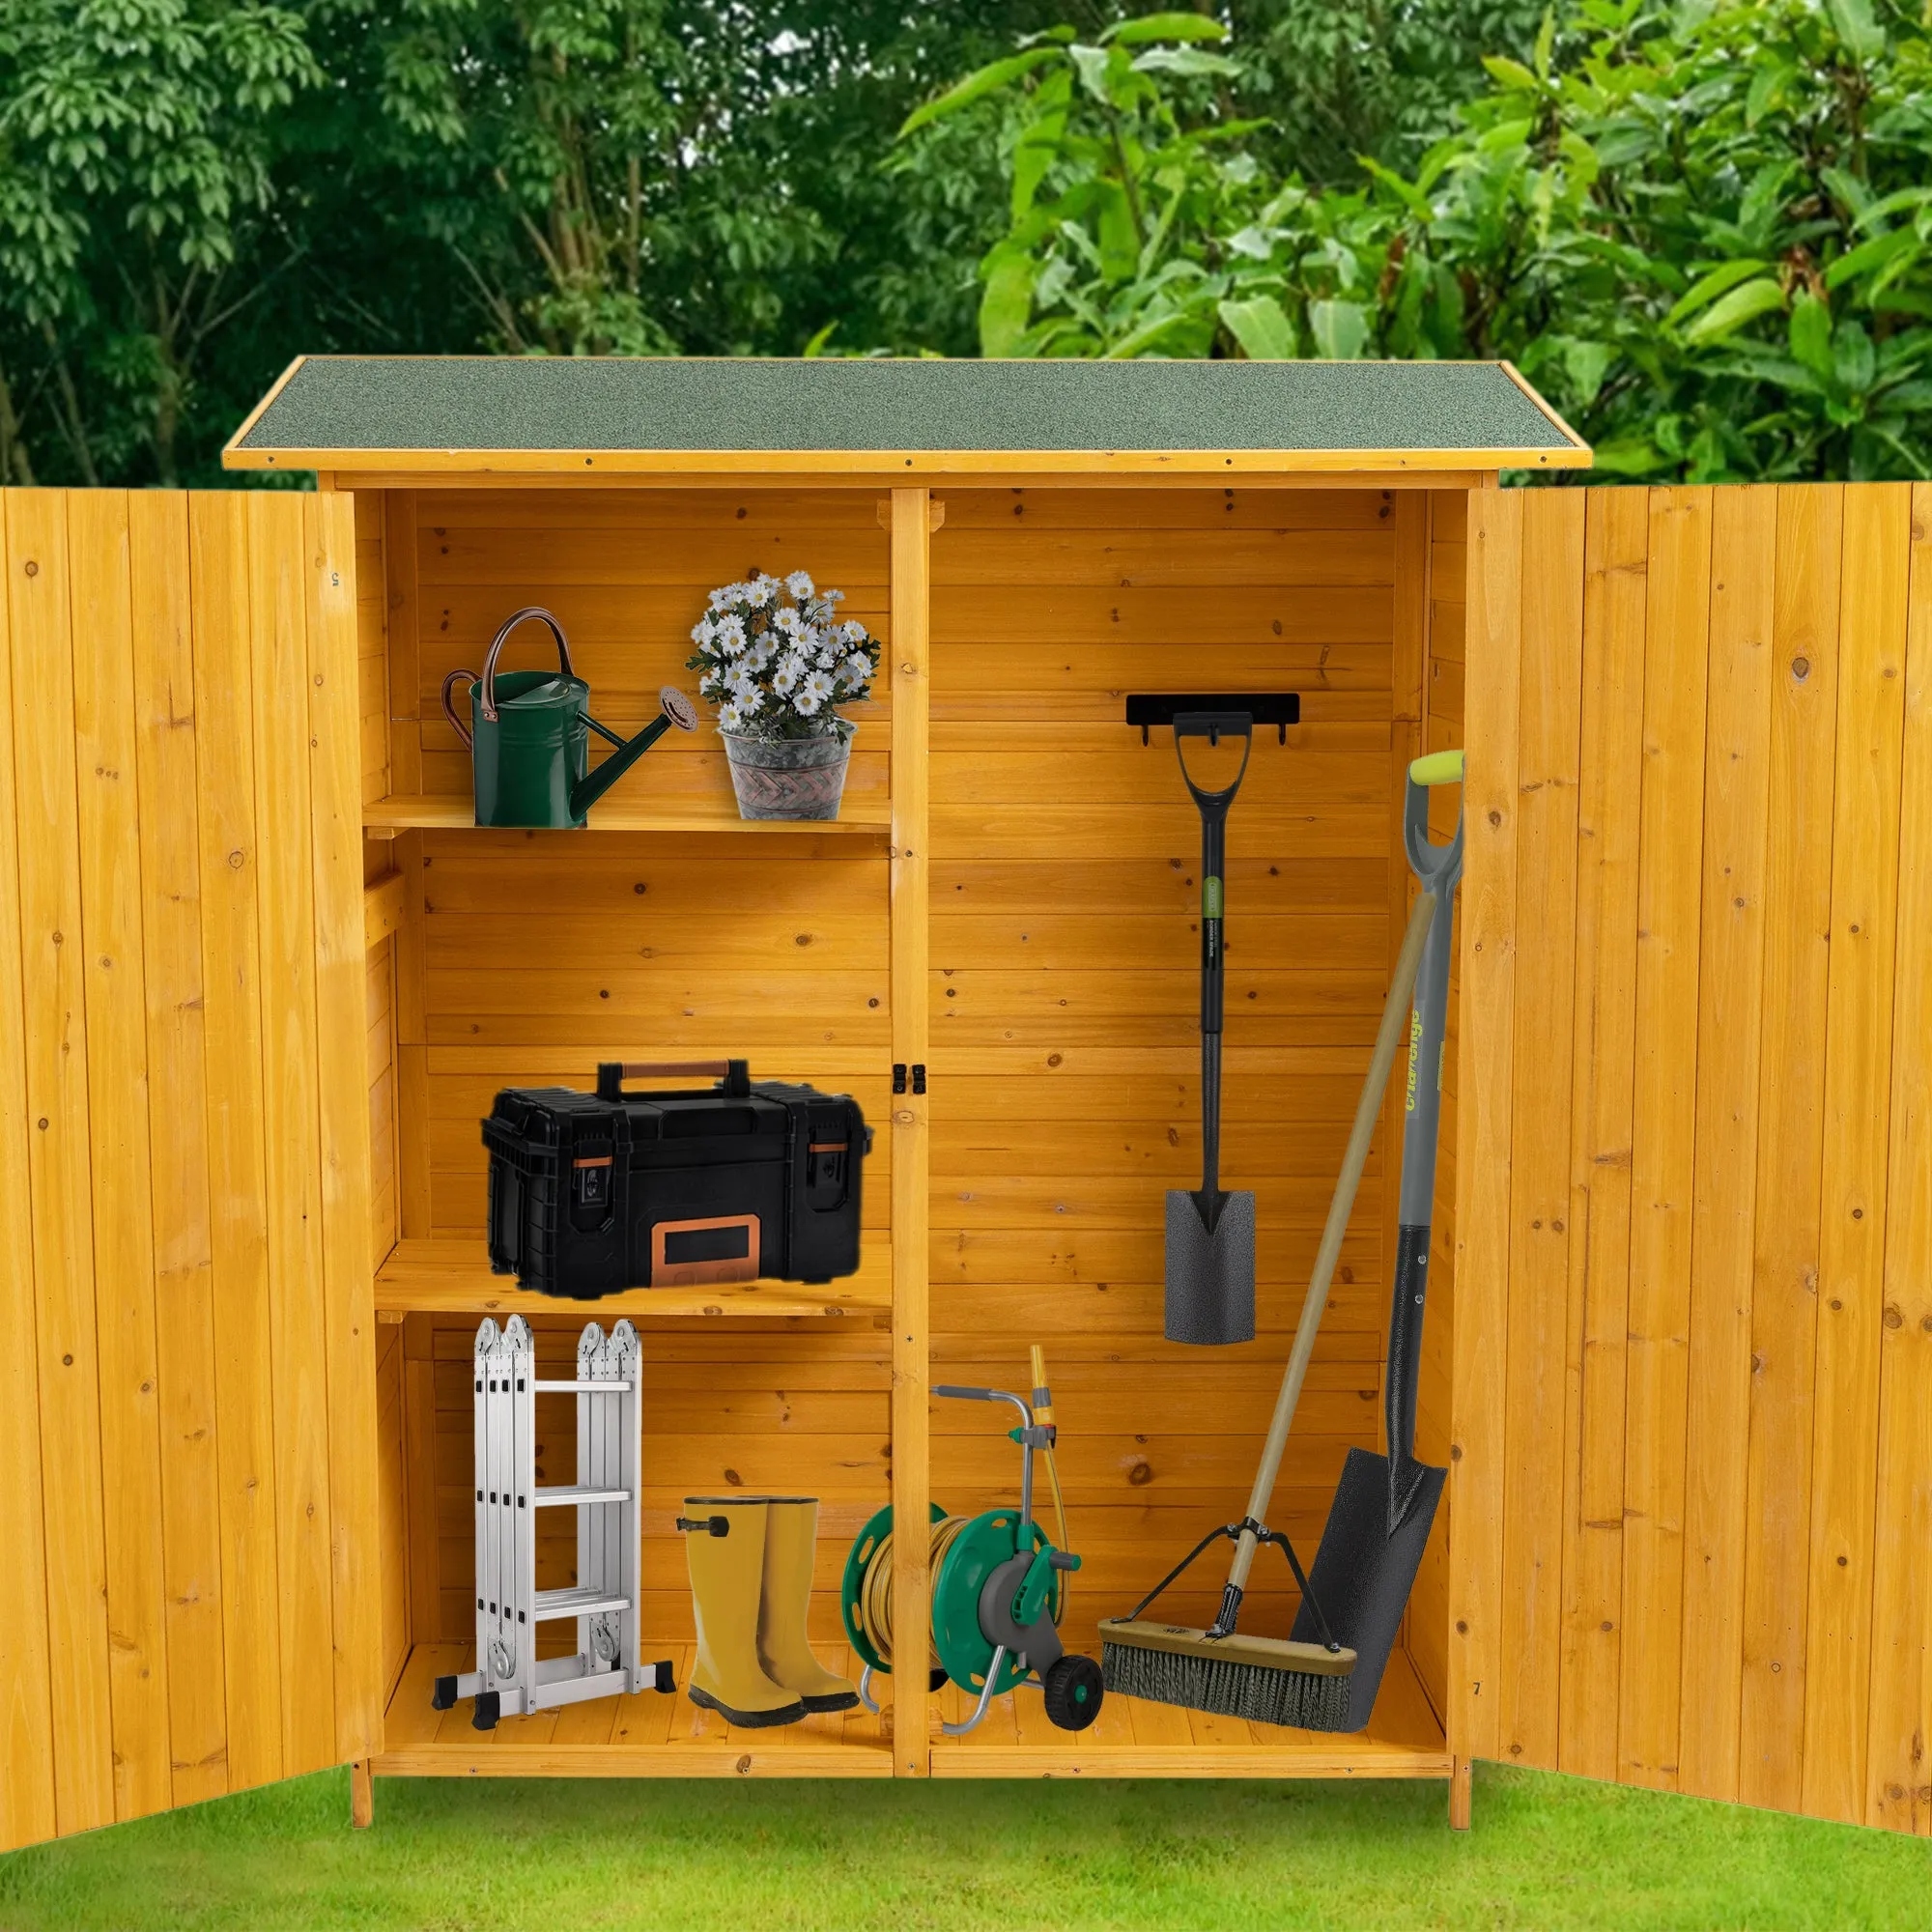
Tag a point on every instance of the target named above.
point(1394, 1029)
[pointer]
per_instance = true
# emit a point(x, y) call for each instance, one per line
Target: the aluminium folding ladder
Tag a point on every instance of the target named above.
point(509, 1679)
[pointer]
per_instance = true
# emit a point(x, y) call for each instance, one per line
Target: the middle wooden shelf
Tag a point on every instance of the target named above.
point(453, 1277)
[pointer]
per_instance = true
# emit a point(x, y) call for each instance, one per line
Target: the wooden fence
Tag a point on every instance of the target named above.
point(1692, 1498)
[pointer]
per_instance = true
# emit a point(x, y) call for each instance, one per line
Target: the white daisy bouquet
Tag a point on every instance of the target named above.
point(776, 661)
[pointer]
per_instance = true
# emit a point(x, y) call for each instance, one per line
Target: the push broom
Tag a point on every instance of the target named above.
point(1325, 1676)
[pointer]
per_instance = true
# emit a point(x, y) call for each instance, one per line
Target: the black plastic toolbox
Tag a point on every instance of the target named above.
point(593, 1193)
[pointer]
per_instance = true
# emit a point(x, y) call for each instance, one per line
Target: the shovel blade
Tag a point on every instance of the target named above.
point(1211, 1267)
point(1363, 1573)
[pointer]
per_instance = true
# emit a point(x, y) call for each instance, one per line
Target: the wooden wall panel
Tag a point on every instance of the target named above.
point(1737, 800)
point(1064, 991)
point(1873, 601)
point(1744, 1607)
point(104, 734)
point(1548, 729)
point(169, 911)
point(1602, 1071)
point(27, 1804)
point(1784, 1284)
point(1898, 1786)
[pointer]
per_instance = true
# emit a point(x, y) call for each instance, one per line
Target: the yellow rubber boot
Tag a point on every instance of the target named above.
point(785, 1651)
point(727, 1574)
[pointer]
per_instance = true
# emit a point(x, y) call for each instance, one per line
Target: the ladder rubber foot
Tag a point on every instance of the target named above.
point(663, 1676)
point(489, 1708)
point(443, 1697)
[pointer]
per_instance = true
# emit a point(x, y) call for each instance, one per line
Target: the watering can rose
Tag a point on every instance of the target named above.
point(776, 661)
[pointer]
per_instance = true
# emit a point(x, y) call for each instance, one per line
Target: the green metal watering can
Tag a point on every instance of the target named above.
point(529, 737)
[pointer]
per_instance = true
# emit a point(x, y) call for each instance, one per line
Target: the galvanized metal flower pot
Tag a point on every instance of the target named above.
point(789, 777)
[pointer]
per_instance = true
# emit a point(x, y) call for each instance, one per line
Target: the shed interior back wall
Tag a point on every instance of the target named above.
point(1062, 990)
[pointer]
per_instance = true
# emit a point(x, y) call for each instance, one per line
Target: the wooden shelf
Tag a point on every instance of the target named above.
point(652, 1735)
point(456, 811)
point(454, 1278)
point(1132, 1738)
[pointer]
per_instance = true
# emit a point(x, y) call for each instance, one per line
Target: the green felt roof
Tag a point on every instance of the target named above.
point(343, 405)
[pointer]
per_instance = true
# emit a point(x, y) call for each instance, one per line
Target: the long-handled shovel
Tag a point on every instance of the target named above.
point(1210, 1234)
point(1379, 1524)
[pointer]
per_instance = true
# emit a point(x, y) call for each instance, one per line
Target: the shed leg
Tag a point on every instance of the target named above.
point(1460, 1793)
point(361, 1795)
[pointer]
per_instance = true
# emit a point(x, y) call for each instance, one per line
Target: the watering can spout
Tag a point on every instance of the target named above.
point(675, 709)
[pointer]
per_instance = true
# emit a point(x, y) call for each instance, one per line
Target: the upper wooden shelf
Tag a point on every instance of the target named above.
point(429, 811)
point(454, 1278)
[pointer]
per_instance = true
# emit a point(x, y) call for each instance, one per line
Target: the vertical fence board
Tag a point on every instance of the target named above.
point(1483, 1133)
point(26, 1691)
point(1664, 1091)
point(348, 1288)
point(168, 829)
point(1548, 748)
point(1616, 596)
point(277, 689)
point(59, 1172)
point(1790, 1147)
point(232, 1034)
point(1864, 884)
point(1737, 760)
point(100, 595)
point(1898, 1771)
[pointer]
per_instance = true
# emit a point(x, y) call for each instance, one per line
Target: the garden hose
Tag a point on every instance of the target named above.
point(874, 1600)
point(1042, 1413)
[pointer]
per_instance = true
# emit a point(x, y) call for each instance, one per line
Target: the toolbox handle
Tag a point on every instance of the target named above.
point(733, 1075)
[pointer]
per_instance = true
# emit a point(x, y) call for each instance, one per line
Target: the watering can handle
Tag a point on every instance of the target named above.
point(449, 710)
point(496, 643)
point(457, 677)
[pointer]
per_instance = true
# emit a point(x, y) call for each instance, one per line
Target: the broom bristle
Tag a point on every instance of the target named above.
point(1261, 1694)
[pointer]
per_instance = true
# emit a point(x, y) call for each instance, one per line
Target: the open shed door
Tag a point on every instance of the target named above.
point(1693, 1503)
point(187, 1519)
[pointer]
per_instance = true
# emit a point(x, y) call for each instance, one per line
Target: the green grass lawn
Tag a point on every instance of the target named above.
point(1545, 1852)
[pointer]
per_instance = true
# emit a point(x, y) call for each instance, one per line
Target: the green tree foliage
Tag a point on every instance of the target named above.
point(136, 145)
point(193, 192)
point(1701, 228)
point(1705, 232)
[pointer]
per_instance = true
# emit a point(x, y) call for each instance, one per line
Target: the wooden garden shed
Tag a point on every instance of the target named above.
point(260, 977)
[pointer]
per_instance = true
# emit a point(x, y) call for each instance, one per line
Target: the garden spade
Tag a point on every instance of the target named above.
point(1379, 1523)
point(1210, 1233)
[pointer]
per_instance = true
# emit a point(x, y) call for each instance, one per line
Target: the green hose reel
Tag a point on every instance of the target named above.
point(998, 1593)
point(983, 1545)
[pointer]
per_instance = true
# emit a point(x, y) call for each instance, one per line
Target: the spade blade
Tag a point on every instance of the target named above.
point(1364, 1571)
point(1211, 1267)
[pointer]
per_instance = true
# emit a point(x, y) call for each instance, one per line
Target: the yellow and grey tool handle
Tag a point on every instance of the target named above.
point(1437, 868)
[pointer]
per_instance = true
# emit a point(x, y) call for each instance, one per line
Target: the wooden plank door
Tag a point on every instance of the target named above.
point(188, 1598)
point(1693, 1459)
